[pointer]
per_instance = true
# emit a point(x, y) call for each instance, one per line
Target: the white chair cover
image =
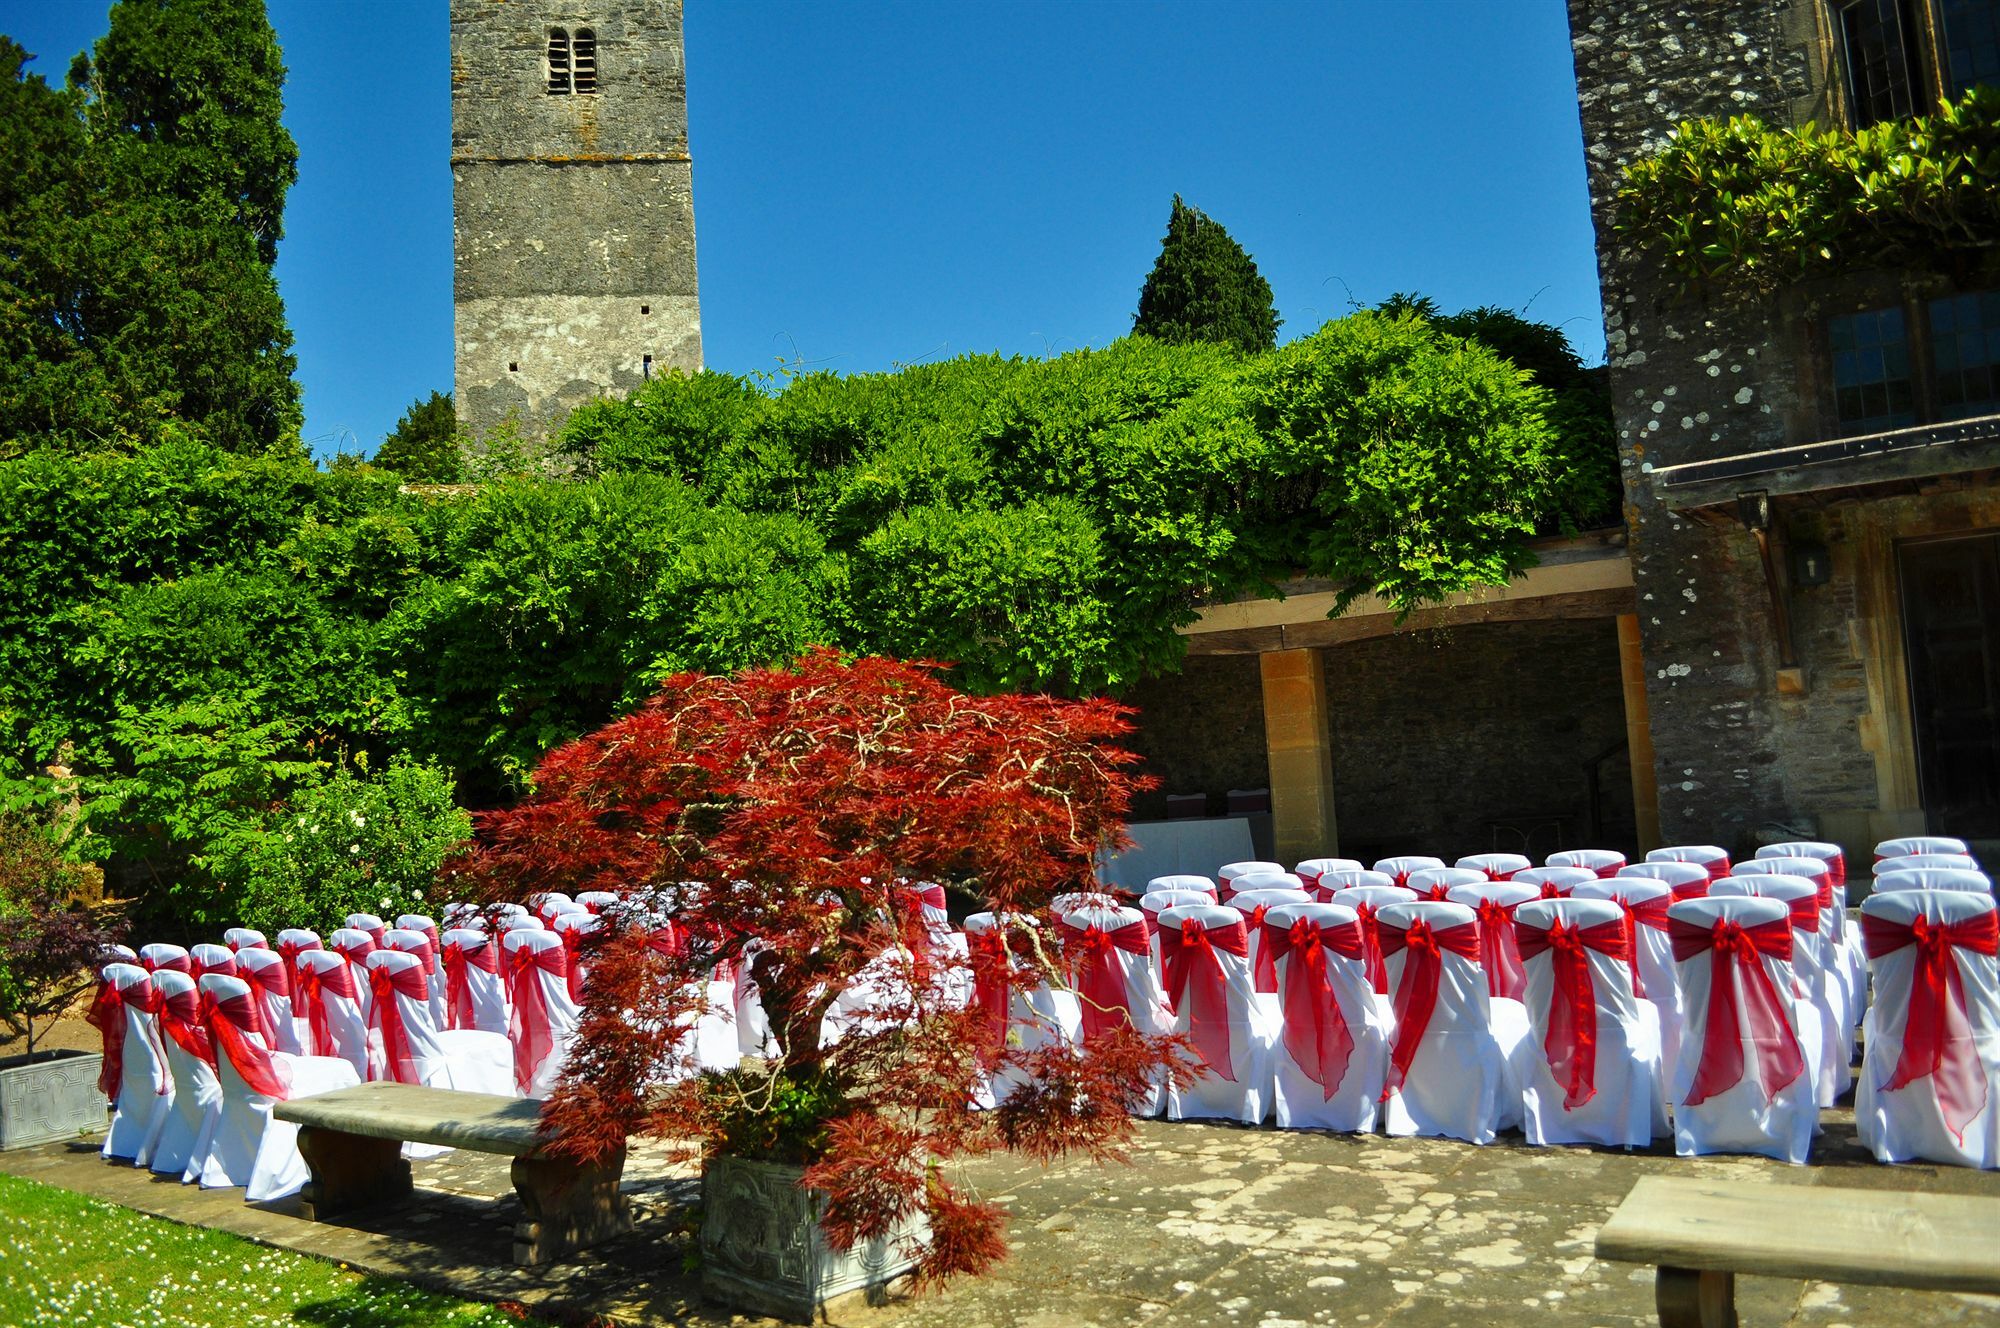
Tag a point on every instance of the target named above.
point(597, 900)
point(1901, 848)
point(1152, 903)
point(1933, 878)
point(410, 941)
point(145, 1087)
point(1072, 900)
point(1955, 861)
point(1688, 880)
point(1367, 901)
point(1026, 1018)
point(1109, 953)
point(172, 958)
point(1439, 882)
point(1741, 1054)
point(1333, 1035)
point(1253, 905)
point(292, 942)
point(209, 958)
point(247, 1148)
point(1205, 962)
point(1335, 879)
point(245, 938)
point(542, 1017)
point(197, 1097)
point(331, 993)
point(1830, 854)
point(434, 962)
point(1448, 1074)
point(1711, 858)
point(1554, 882)
point(422, 1053)
point(475, 991)
point(1312, 869)
point(546, 904)
point(1493, 905)
point(271, 987)
point(354, 944)
point(1839, 951)
point(1933, 956)
point(1646, 902)
point(1398, 868)
point(1183, 881)
point(368, 924)
point(1227, 873)
point(1575, 1090)
point(1496, 866)
point(1604, 862)
point(1828, 1039)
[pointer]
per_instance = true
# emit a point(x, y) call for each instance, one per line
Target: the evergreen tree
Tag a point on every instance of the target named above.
point(135, 279)
point(424, 448)
point(1203, 287)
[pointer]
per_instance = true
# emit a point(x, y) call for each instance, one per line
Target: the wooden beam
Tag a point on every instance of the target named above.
point(1638, 732)
point(1607, 602)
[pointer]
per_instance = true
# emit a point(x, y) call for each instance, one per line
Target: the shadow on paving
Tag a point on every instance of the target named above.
point(1209, 1224)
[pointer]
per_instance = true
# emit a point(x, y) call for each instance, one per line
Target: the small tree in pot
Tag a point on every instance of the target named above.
point(775, 822)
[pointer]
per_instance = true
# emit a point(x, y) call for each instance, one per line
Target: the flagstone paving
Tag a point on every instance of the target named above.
point(1210, 1225)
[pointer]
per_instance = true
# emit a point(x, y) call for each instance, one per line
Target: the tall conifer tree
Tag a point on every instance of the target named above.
point(1203, 287)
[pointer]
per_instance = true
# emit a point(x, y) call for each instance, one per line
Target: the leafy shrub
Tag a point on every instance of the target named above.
point(49, 939)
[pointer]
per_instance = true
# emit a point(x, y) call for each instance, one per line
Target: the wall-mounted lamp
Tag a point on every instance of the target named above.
point(1753, 509)
point(1812, 565)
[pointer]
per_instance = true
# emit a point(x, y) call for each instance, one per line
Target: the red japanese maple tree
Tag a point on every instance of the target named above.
point(777, 820)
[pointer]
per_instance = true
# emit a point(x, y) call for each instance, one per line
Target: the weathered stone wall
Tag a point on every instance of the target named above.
point(1201, 731)
point(1436, 733)
point(572, 216)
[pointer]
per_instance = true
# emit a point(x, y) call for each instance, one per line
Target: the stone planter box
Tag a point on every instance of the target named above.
point(55, 1097)
point(762, 1249)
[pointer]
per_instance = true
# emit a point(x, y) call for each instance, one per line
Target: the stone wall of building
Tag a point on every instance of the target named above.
point(1201, 731)
point(572, 215)
point(1437, 734)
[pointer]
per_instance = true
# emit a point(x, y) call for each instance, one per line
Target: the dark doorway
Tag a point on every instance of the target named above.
point(1951, 614)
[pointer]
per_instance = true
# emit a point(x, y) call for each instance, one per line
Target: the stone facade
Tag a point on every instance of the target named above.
point(1748, 752)
point(572, 213)
point(1200, 731)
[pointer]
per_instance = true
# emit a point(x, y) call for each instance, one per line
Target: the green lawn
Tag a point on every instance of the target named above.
point(78, 1263)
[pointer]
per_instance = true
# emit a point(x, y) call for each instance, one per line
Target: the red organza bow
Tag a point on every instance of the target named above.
point(458, 961)
point(1371, 936)
point(1937, 1035)
point(1742, 1003)
point(429, 953)
point(314, 987)
point(1646, 913)
point(230, 1024)
point(1264, 968)
point(572, 941)
point(180, 1019)
point(528, 1023)
point(265, 983)
point(289, 951)
point(1417, 992)
point(387, 1015)
point(1100, 978)
point(992, 989)
point(1196, 985)
point(1498, 954)
point(107, 1016)
point(1571, 1044)
point(1315, 1028)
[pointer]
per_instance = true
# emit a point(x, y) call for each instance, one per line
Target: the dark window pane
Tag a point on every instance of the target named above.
point(1971, 54)
point(1965, 348)
point(558, 62)
point(1880, 80)
point(1871, 382)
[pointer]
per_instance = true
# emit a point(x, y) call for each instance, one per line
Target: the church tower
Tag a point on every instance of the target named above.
point(572, 205)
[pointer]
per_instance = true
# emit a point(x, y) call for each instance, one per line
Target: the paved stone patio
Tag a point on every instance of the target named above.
point(1210, 1225)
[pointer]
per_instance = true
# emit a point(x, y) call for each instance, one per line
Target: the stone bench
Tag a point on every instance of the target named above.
point(1701, 1234)
point(352, 1139)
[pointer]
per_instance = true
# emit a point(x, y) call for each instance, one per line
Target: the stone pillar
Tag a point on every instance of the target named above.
point(1299, 740)
point(1639, 733)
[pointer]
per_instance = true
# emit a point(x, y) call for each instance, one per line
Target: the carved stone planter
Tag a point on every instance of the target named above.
point(762, 1249)
point(55, 1097)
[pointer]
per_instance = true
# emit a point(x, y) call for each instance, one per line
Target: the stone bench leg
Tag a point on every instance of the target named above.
point(349, 1171)
point(569, 1205)
point(1695, 1298)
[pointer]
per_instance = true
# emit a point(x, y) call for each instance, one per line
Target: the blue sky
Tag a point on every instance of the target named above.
point(891, 183)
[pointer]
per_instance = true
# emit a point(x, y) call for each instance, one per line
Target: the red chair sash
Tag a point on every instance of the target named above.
point(431, 944)
point(1741, 999)
point(1371, 936)
point(1100, 978)
point(572, 939)
point(386, 984)
point(1693, 889)
point(265, 983)
point(172, 963)
point(180, 1019)
point(1416, 994)
point(314, 987)
point(1937, 1035)
point(290, 951)
point(992, 989)
point(1264, 968)
point(1315, 1028)
point(458, 963)
point(107, 1016)
point(230, 1023)
point(1498, 954)
point(1646, 913)
point(528, 1022)
point(1571, 1044)
point(1188, 954)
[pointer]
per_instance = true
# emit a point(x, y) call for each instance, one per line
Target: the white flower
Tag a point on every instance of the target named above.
point(354, 849)
point(357, 818)
point(384, 905)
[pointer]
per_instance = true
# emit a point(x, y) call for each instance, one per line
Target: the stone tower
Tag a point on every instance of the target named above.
point(572, 205)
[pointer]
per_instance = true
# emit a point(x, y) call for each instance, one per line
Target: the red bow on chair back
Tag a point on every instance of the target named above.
point(429, 953)
point(265, 983)
point(1742, 1002)
point(1371, 937)
point(107, 1016)
point(290, 951)
point(1571, 1045)
point(1498, 954)
point(1315, 1028)
point(1100, 977)
point(1937, 1036)
point(1264, 968)
point(313, 988)
point(179, 963)
point(992, 988)
point(529, 1026)
point(1197, 986)
point(1645, 913)
point(572, 941)
point(230, 1023)
point(1417, 992)
point(387, 1015)
point(180, 1019)
point(458, 961)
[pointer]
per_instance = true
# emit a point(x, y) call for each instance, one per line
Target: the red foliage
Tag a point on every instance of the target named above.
point(777, 818)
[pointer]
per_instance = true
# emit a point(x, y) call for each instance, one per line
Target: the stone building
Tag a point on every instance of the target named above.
point(572, 205)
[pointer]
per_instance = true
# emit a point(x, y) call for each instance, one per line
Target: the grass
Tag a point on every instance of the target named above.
point(76, 1262)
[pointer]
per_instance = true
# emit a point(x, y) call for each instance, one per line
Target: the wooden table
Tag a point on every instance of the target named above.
point(353, 1138)
point(1701, 1234)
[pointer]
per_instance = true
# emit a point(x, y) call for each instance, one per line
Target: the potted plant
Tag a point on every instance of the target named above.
point(49, 946)
point(776, 823)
